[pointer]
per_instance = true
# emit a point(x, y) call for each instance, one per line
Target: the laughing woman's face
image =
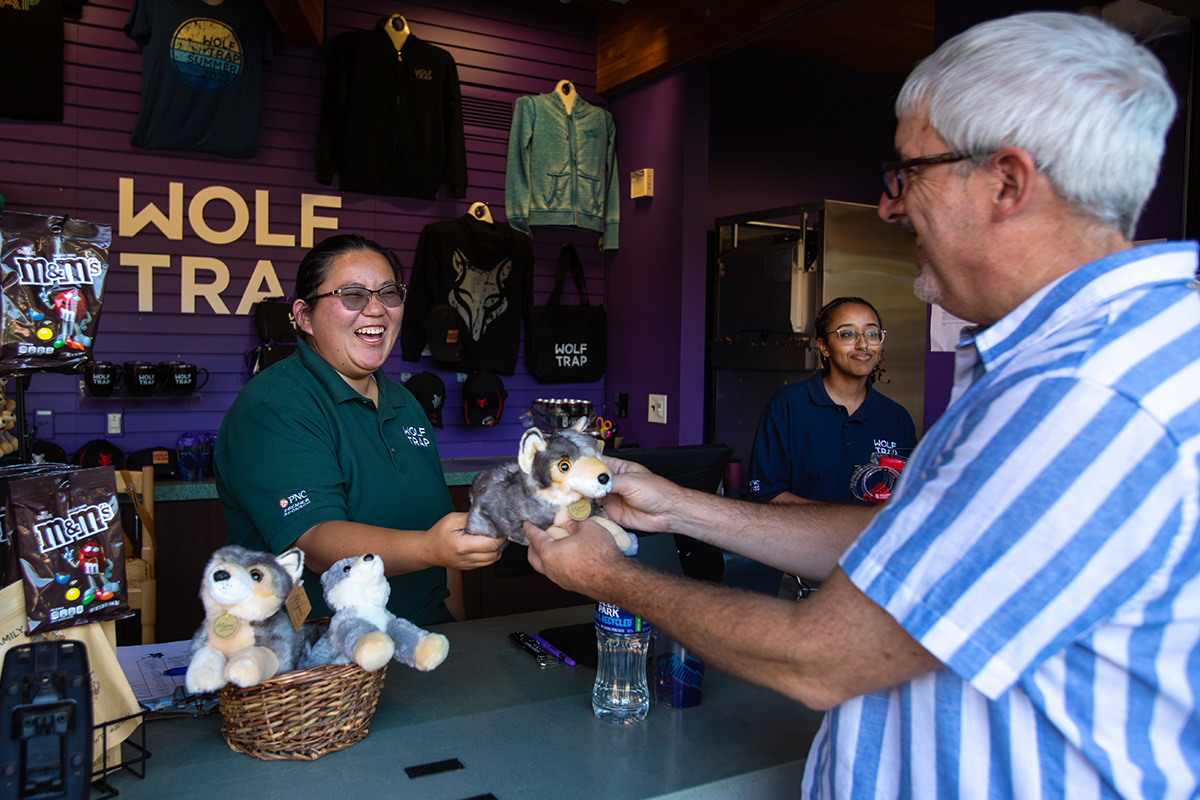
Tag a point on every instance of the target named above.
point(355, 343)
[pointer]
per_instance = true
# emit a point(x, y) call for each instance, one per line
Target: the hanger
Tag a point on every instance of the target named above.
point(566, 92)
point(480, 211)
point(396, 27)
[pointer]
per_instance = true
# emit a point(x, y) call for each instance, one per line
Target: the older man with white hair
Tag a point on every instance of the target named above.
point(1022, 618)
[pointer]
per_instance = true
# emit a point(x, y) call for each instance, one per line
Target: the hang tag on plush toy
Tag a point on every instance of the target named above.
point(225, 626)
point(580, 510)
point(297, 605)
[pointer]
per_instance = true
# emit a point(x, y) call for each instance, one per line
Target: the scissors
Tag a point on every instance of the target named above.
point(605, 429)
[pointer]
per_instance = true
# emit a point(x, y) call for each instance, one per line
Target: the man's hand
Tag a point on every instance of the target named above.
point(581, 562)
point(639, 500)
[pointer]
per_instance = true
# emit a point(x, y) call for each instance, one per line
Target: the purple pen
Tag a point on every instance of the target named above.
point(552, 650)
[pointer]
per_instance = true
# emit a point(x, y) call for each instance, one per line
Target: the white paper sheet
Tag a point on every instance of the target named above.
point(144, 665)
point(944, 330)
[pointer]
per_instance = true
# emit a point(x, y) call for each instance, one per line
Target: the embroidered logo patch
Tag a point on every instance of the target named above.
point(294, 502)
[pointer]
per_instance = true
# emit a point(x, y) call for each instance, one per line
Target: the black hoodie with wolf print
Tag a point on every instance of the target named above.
point(484, 271)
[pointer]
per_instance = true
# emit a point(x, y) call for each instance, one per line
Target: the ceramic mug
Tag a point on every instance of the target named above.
point(141, 378)
point(181, 378)
point(101, 378)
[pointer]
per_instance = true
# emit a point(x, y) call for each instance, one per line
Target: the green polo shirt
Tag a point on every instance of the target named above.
point(299, 446)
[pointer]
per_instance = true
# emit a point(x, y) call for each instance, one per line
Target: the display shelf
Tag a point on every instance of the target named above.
point(118, 396)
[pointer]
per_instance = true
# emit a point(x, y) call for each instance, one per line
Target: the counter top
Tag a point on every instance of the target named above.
point(519, 730)
point(459, 472)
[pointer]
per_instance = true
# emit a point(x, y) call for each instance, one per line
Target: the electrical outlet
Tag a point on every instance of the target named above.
point(114, 423)
point(658, 409)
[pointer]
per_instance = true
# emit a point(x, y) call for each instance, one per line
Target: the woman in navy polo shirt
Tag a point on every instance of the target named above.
point(814, 433)
point(324, 452)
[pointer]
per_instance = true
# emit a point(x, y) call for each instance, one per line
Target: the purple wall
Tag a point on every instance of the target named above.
point(503, 50)
point(657, 280)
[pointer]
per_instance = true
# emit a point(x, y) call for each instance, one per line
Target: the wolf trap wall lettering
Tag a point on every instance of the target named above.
point(263, 283)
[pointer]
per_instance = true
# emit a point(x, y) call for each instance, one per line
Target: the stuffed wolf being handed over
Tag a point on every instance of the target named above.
point(246, 636)
point(556, 478)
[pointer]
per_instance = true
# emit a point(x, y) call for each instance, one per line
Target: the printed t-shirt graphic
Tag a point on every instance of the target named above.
point(201, 74)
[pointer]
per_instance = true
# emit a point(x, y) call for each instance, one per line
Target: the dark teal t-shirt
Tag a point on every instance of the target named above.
point(299, 446)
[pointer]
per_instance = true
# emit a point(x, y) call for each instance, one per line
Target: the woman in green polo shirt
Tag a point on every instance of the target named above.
point(324, 452)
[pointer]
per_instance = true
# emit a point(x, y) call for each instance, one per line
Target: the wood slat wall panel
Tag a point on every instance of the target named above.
point(503, 50)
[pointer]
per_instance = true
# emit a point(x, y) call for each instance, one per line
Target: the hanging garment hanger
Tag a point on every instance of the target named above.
point(396, 27)
point(566, 92)
point(480, 211)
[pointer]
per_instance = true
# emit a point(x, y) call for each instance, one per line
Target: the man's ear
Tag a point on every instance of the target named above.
point(1017, 176)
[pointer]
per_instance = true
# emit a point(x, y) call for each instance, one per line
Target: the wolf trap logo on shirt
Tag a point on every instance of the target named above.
point(294, 502)
point(886, 448)
point(416, 434)
point(207, 54)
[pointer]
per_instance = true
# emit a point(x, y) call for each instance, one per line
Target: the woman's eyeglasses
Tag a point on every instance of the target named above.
point(850, 336)
point(356, 298)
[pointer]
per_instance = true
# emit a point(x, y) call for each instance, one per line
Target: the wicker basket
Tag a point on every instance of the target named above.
point(301, 715)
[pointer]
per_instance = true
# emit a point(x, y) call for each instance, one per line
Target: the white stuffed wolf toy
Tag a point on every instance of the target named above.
point(362, 630)
point(246, 636)
point(555, 478)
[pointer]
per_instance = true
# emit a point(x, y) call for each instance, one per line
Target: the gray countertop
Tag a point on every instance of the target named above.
point(518, 729)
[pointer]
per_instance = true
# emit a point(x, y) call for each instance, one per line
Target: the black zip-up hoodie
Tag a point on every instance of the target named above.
point(391, 126)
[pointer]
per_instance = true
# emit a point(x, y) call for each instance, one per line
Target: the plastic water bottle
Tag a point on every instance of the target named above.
point(622, 640)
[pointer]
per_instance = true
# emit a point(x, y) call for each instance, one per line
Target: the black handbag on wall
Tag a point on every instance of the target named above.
point(566, 344)
point(277, 332)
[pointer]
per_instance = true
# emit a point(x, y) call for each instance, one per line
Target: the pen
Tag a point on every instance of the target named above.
point(175, 671)
point(552, 650)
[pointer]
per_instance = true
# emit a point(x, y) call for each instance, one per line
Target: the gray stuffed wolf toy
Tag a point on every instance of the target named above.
point(362, 630)
point(246, 636)
point(555, 478)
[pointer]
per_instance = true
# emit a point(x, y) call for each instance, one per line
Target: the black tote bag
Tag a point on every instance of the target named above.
point(566, 344)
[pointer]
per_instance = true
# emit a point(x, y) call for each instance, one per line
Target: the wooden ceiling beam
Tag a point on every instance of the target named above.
point(639, 40)
point(302, 22)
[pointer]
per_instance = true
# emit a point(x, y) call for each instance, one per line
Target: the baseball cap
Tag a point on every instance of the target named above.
point(443, 328)
point(483, 399)
point(165, 461)
point(430, 393)
point(100, 453)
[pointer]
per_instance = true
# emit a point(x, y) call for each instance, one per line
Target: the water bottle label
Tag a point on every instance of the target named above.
point(611, 619)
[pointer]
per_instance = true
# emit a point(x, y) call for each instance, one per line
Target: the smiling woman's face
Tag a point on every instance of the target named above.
point(355, 343)
point(855, 359)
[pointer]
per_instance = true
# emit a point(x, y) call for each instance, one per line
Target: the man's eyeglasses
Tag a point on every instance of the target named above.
point(894, 171)
point(356, 298)
point(873, 336)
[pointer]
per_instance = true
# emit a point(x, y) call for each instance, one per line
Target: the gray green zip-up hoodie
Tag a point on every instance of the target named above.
point(562, 168)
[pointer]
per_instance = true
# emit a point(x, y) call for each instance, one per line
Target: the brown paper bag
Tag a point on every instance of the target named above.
point(112, 698)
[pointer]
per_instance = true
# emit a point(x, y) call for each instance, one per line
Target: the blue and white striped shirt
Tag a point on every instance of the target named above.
point(1042, 544)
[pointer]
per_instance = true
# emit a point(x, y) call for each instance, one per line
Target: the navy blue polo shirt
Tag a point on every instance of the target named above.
point(807, 445)
point(299, 446)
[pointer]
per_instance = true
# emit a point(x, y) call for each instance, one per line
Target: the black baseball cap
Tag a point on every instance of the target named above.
point(483, 399)
point(443, 328)
point(100, 453)
point(430, 392)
